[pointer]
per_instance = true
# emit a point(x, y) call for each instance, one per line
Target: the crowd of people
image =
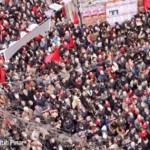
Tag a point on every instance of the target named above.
point(97, 91)
point(16, 16)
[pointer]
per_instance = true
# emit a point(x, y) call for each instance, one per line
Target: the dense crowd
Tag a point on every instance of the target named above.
point(97, 92)
point(17, 16)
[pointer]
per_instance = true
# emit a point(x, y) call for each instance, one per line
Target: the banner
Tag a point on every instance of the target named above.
point(55, 6)
point(92, 20)
point(93, 10)
point(41, 29)
point(121, 11)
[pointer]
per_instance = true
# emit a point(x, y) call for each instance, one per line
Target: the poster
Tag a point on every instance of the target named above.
point(92, 20)
point(93, 10)
point(121, 11)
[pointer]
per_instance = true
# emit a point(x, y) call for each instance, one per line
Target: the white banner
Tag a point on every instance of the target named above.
point(93, 10)
point(41, 29)
point(121, 11)
point(55, 6)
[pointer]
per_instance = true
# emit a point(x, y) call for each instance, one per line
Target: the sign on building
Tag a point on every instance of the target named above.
point(121, 11)
point(93, 10)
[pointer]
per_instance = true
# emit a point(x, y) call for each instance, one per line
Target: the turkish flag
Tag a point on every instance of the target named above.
point(55, 56)
point(146, 4)
point(75, 18)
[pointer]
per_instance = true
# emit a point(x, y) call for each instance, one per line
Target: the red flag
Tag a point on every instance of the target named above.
point(63, 10)
point(72, 44)
point(2, 75)
point(146, 4)
point(55, 56)
point(75, 17)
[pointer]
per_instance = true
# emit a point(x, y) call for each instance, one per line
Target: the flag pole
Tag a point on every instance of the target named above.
point(78, 9)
